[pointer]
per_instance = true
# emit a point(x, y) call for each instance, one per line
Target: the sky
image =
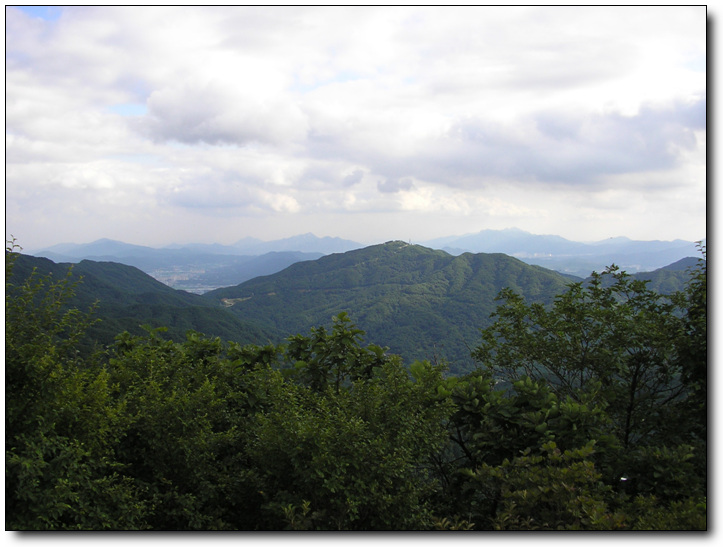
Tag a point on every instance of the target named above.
point(161, 125)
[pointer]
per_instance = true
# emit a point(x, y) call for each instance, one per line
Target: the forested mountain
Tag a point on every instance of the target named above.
point(421, 303)
point(670, 278)
point(202, 267)
point(128, 298)
point(588, 414)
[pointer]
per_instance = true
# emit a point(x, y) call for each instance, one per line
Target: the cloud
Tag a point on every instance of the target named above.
point(558, 147)
point(392, 186)
point(353, 178)
point(221, 114)
point(320, 111)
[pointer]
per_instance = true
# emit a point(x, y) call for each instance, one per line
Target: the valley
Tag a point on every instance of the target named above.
point(420, 303)
point(200, 268)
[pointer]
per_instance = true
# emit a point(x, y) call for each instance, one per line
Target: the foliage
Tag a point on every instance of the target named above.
point(585, 417)
point(421, 303)
point(346, 447)
point(692, 347)
point(60, 420)
point(633, 362)
point(615, 339)
point(550, 490)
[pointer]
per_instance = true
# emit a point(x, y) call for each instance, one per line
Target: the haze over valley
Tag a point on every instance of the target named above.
point(199, 268)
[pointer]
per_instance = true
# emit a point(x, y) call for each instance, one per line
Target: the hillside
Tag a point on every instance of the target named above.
point(670, 278)
point(128, 298)
point(421, 303)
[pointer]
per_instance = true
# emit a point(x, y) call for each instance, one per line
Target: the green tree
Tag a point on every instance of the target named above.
point(612, 336)
point(692, 346)
point(491, 427)
point(633, 363)
point(187, 406)
point(335, 358)
point(548, 489)
point(348, 445)
point(61, 421)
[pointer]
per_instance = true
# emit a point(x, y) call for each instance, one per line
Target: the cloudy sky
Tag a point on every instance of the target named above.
point(155, 125)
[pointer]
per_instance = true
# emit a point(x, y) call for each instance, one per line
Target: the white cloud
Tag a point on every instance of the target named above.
point(524, 115)
point(221, 114)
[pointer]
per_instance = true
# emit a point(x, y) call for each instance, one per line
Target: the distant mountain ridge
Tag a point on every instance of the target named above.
point(308, 243)
point(576, 258)
point(203, 267)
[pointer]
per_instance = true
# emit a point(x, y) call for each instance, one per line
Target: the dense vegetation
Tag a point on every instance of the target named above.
point(588, 413)
point(124, 298)
point(421, 303)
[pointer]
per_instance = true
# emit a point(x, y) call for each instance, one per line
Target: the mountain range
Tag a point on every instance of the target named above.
point(422, 303)
point(572, 257)
point(248, 246)
point(203, 267)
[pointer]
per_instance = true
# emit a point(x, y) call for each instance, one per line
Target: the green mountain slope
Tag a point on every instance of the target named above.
point(128, 298)
point(422, 303)
point(666, 280)
point(671, 278)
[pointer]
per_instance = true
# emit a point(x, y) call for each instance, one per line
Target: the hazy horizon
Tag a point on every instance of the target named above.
point(170, 125)
point(271, 240)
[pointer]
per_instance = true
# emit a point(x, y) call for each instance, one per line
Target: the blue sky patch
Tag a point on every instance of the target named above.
point(128, 109)
point(47, 13)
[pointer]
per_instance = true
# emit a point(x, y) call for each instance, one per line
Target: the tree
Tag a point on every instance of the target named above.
point(635, 360)
point(348, 444)
point(188, 407)
point(613, 337)
point(333, 358)
point(692, 347)
point(61, 422)
point(492, 427)
point(549, 489)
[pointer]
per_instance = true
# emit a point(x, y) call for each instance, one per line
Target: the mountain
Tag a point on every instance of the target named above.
point(421, 303)
point(308, 243)
point(512, 241)
point(100, 247)
point(128, 298)
point(202, 267)
point(305, 243)
point(196, 268)
point(670, 278)
point(576, 258)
